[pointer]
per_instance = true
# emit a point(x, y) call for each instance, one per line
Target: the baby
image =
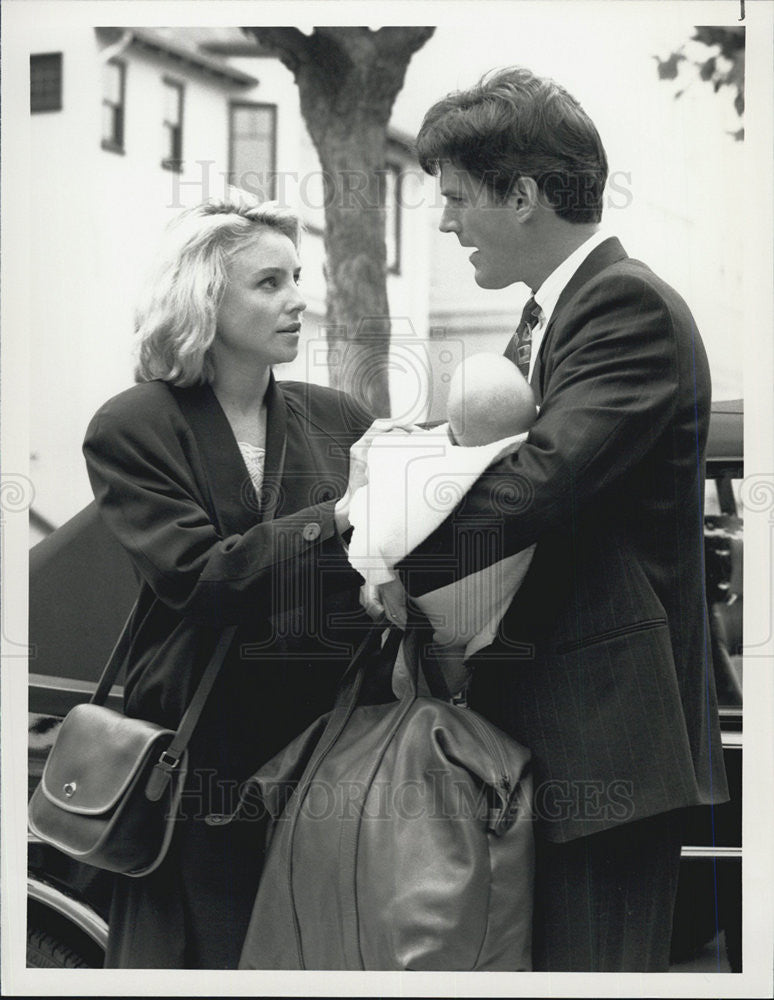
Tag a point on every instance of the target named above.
point(417, 478)
point(489, 399)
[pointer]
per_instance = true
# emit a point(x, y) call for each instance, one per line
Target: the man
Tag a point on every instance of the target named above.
point(601, 665)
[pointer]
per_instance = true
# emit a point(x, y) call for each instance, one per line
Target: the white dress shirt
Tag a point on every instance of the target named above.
point(548, 294)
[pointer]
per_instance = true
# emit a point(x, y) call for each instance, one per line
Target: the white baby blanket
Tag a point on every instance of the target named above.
point(415, 479)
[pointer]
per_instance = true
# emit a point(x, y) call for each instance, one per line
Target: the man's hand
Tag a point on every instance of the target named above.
point(386, 603)
point(392, 597)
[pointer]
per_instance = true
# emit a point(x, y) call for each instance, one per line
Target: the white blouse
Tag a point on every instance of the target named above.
point(255, 460)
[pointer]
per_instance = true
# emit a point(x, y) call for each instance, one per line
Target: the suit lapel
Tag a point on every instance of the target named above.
point(316, 462)
point(233, 504)
point(276, 438)
point(607, 253)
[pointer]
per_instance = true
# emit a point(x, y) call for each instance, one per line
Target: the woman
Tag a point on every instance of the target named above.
point(229, 519)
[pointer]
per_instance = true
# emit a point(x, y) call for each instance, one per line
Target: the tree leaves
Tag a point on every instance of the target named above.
point(667, 68)
point(722, 66)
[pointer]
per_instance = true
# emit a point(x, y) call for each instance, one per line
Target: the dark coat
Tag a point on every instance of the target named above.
point(602, 665)
point(185, 510)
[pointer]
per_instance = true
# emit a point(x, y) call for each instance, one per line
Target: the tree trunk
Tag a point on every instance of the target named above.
point(348, 79)
point(358, 313)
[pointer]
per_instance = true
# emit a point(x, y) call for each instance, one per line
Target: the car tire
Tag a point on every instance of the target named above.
point(44, 951)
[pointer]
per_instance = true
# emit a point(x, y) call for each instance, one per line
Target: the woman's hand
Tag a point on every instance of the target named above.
point(358, 468)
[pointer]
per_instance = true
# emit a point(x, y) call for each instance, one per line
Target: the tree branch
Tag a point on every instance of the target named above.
point(405, 41)
point(290, 45)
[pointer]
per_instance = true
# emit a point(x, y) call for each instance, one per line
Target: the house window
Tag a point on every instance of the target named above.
point(113, 87)
point(393, 177)
point(252, 149)
point(46, 82)
point(173, 126)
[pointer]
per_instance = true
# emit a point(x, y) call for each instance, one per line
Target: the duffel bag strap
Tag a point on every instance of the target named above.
point(346, 702)
point(348, 694)
point(349, 690)
point(415, 658)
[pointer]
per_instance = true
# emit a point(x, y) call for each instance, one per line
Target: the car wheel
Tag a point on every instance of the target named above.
point(44, 951)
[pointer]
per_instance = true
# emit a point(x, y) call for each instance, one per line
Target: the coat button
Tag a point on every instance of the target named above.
point(311, 531)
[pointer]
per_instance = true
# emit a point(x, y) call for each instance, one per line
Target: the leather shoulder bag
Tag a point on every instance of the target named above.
point(110, 791)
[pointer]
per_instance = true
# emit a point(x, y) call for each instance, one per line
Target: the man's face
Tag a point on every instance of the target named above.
point(479, 220)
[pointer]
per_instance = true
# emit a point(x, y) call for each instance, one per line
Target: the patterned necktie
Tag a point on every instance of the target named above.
point(520, 349)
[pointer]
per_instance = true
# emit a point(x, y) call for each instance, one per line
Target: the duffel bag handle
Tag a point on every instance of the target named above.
point(351, 685)
point(347, 697)
point(400, 649)
point(415, 659)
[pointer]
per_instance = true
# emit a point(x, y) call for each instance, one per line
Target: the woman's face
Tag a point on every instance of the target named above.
point(259, 318)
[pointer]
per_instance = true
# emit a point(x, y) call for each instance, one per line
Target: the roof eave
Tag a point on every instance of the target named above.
point(204, 64)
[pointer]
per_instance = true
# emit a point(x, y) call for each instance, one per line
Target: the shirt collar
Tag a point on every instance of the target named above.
point(548, 294)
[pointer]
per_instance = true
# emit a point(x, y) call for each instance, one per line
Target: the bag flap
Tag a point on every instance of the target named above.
point(441, 735)
point(96, 756)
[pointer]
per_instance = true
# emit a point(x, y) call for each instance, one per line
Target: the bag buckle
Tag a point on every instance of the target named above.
point(170, 763)
point(160, 775)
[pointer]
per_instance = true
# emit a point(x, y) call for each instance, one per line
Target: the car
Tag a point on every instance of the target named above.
point(82, 586)
point(709, 898)
point(81, 589)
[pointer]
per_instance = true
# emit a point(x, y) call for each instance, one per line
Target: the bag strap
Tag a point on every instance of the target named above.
point(346, 702)
point(351, 684)
point(404, 650)
point(415, 660)
point(347, 697)
point(170, 758)
point(114, 662)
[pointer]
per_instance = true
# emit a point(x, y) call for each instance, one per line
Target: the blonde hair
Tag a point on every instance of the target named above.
point(175, 319)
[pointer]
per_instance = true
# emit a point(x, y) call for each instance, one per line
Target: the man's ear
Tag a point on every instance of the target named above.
point(524, 197)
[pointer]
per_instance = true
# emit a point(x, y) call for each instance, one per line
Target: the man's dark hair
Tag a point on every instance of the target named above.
point(514, 124)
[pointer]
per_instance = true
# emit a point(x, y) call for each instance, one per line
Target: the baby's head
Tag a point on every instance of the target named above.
point(489, 399)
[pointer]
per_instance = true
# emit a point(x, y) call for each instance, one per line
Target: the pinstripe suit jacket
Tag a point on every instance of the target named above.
point(602, 664)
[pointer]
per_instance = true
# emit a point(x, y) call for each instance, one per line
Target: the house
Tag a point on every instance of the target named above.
point(129, 126)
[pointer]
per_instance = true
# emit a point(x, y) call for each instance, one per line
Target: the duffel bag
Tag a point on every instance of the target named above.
point(401, 837)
